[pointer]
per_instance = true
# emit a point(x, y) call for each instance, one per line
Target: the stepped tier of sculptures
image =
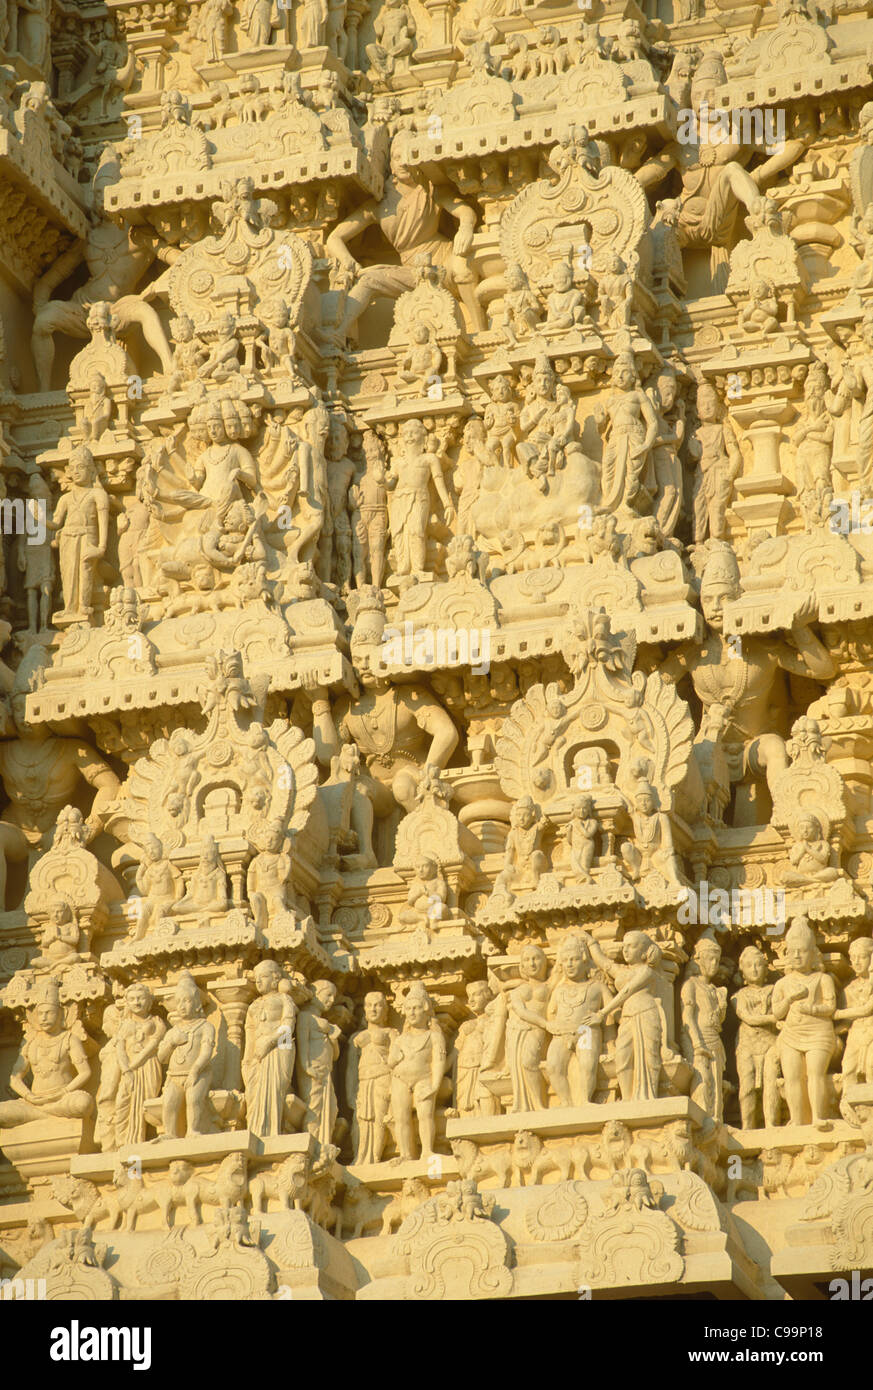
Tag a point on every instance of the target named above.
point(436, 649)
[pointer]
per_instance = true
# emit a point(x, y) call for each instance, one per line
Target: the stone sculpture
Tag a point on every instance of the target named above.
point(435, 646)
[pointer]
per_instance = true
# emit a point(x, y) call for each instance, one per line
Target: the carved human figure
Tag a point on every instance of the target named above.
point(33, 31)
point(853, 382)
point(318, 1042)
point(565, 305)
point(81, 521)
point(756, 1052)
point(521, 307)
point(139, 1036)
point(408, 215)
point(417, 1058)
point(335, 544)
point(652, 849)
point(41, 775)
point(269, 1052)
point(395, 31)
point(109, 1072)
point(414, 468)
point(311, 22)
point(474, 458)
point(35, 556)
point(523, 859)
point(542, 417)
point(368, 1079)
point(369, 500)
point(278, 345)
point(426, 900)
point(258, 20)
point(224, 472)
point(336, 36)
point(501, 420)
point(761, 314)
point(54, 1058)
point(189, 354)
point(858, 1013)
point(804, 1004)
point(630, 427)
point(716, 451)
point(715, 182)
point(422, 362)
point(521, 1031)
point(187, 1050)
point(207, 890)
point(159, 884)
point(574, 1052)
point(354, 808)
point(60, 938)
point(704, 1006)
point(117, 258)
point(99, 407)
point(398, 730)
point(809, 856)
point(861, 237)
point(641, 1041)
point(211, 27)
point(666, 484)
point(139, 533)
point(564, 427)
point(268, 878)
point(813, 445)
point(741, 674)
point(616, 293)
point(472, 1045)
point(223, 361)
point(581, 838)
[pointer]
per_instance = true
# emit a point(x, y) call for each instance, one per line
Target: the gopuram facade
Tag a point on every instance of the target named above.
point(436, 688)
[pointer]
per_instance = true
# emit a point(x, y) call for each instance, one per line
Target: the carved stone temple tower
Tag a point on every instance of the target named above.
point(436, 648)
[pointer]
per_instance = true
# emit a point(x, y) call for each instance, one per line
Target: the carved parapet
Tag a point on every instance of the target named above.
point(426, 1244)
point(795, 58)
point(342, 163)
point(46, 1147)
point(470, 127)
point(834, 1235)
point(784, 570)
point(44, 204)
point(555, 903)
point(233, 937)
point(632, 1230)
point(160, 666)
point(450, 944)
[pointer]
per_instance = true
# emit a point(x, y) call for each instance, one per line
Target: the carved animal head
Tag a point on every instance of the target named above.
point(232, 1174)
point(467, 1155)
point(525, 1148)
point(414, 1191)
point(614, 1132)
point(179, 1172)
point(293, 1175)
point(76, 1194)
